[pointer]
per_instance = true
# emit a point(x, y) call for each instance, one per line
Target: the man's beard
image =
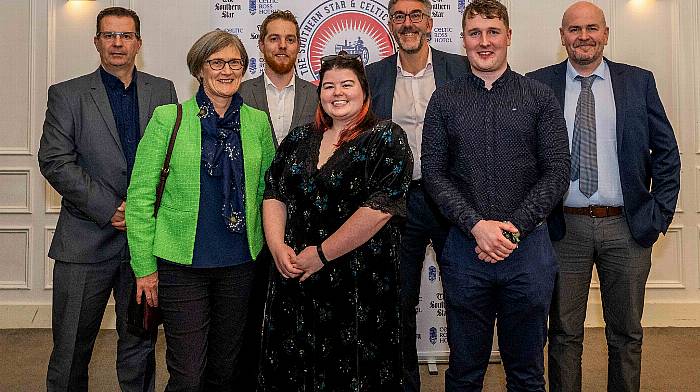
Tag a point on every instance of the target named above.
point(277, 67)
point(422, 38)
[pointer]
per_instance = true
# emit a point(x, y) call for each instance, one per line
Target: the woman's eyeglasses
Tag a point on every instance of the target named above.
point(218, 64)
point(343, 55)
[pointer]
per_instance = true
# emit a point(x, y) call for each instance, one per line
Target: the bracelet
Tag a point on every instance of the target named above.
point(321, 256)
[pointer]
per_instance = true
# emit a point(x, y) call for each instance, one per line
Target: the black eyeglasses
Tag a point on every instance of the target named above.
point(415, 17)
point(218, 64)
point(343, 55)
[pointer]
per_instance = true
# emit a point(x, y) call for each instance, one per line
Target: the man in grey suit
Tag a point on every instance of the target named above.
point(288, 100)
point(92, 128)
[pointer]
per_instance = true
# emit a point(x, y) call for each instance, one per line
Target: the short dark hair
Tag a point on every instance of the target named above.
point(365, 119)
point(209, 44)
point(489, 9)
point(278, 15)
point(122, 12)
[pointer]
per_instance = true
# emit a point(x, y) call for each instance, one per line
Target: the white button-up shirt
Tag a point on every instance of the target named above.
point(411, 97)
point(280, 103)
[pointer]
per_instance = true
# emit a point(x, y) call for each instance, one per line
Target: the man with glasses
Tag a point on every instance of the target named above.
point(92, 128)
point(289, 102)
point(401, 86)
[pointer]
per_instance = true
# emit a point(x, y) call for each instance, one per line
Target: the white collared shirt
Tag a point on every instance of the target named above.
point(280, 103)
point(411, 97)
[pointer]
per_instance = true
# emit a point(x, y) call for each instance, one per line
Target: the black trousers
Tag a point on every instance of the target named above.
point(424, 224)
point(204, 313)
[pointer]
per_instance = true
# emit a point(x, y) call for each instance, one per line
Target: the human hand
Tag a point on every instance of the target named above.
point(492, 246)
point(148, 284)
point(284, 256)
point(118, 220)
point(308, 261)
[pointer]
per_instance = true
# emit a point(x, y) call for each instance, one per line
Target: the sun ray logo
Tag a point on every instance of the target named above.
point(357, 27)
point(252, 6)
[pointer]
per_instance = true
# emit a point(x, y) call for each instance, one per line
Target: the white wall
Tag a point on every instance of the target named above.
point(46, 41)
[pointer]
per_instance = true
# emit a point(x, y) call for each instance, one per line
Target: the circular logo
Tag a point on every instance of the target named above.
point(357, 27)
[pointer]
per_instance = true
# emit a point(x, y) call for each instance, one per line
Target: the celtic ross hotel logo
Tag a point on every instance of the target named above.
point(433, 335)
point(432, 273)
point(355, 26)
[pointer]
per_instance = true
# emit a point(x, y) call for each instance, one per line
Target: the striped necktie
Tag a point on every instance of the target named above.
point(584, 162)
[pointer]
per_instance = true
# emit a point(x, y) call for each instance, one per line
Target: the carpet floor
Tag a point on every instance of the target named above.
point(671, 362)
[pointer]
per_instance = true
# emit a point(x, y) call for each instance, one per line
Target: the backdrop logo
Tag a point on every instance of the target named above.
point(432, 273)
point(252, 6)
point(355, 26)
point(460, 6)
point(433, 335)
point(252, 65)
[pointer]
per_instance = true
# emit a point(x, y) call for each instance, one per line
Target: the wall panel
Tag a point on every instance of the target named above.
point(15, 254)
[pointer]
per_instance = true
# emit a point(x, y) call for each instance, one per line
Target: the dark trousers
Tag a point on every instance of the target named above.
point(423, 225)
point(80, 295)
point(516, 291)
point(623, 268)
point(204, 312)
point(246, 373)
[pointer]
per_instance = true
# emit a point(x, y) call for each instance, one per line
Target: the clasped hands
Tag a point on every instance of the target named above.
point(292, 265)
point(491, 245)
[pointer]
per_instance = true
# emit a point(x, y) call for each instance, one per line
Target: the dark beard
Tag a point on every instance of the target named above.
point(278, 68)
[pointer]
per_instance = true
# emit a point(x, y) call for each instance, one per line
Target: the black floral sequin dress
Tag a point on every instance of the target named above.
point(339, 330)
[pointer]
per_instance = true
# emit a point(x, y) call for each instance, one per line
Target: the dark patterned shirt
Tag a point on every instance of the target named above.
point(125, 108)
point(499, 154)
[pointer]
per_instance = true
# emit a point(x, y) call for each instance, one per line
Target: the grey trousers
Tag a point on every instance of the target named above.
point(80, 295)
point(623, 268)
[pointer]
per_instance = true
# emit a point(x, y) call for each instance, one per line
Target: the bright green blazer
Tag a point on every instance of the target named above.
point(171, 235)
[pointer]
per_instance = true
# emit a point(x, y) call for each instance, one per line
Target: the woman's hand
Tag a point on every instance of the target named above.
point(284, 257)
point(148, 284)
point(308, 261)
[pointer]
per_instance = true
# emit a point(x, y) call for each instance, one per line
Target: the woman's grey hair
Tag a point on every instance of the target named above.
point(426, 3)
point(209, 44)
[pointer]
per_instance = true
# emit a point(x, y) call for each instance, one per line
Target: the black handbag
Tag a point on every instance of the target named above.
point(142, 319)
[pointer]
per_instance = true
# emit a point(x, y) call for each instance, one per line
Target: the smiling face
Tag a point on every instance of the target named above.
point(486, 42)
point(341, 95)
point(224, 83)
point(280, 46)
point(118, 53)
point(584, 34)
point(411, 37)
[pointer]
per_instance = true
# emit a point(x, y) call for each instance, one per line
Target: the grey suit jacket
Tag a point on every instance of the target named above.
point(305, 100)
point(81, 156)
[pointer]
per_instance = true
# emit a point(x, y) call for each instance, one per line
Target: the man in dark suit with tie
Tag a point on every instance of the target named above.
point(625, 179)
point(288, 100)
point(401, 86)
point(91, 132)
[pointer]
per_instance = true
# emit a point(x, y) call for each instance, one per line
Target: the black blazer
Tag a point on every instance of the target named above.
point(382, 78)
point(647, 151)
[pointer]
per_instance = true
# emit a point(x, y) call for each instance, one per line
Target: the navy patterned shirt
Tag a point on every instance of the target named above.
point(499, 154)
point(125, 108)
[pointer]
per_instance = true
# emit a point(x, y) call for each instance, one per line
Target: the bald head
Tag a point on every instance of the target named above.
point(583, 8)
point(584, 34)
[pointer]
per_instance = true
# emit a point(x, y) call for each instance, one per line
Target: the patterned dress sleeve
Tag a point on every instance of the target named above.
point(388, 170)
point(274, 184)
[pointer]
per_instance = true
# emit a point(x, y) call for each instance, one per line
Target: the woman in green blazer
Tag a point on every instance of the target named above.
point(195, 259)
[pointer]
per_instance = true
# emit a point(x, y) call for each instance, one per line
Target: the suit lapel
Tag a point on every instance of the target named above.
point(617, 77)
point(390, 81)
point(439, 68)
point(143, 93)
point(99, 95)
point(559, 83)
point(300, 97)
